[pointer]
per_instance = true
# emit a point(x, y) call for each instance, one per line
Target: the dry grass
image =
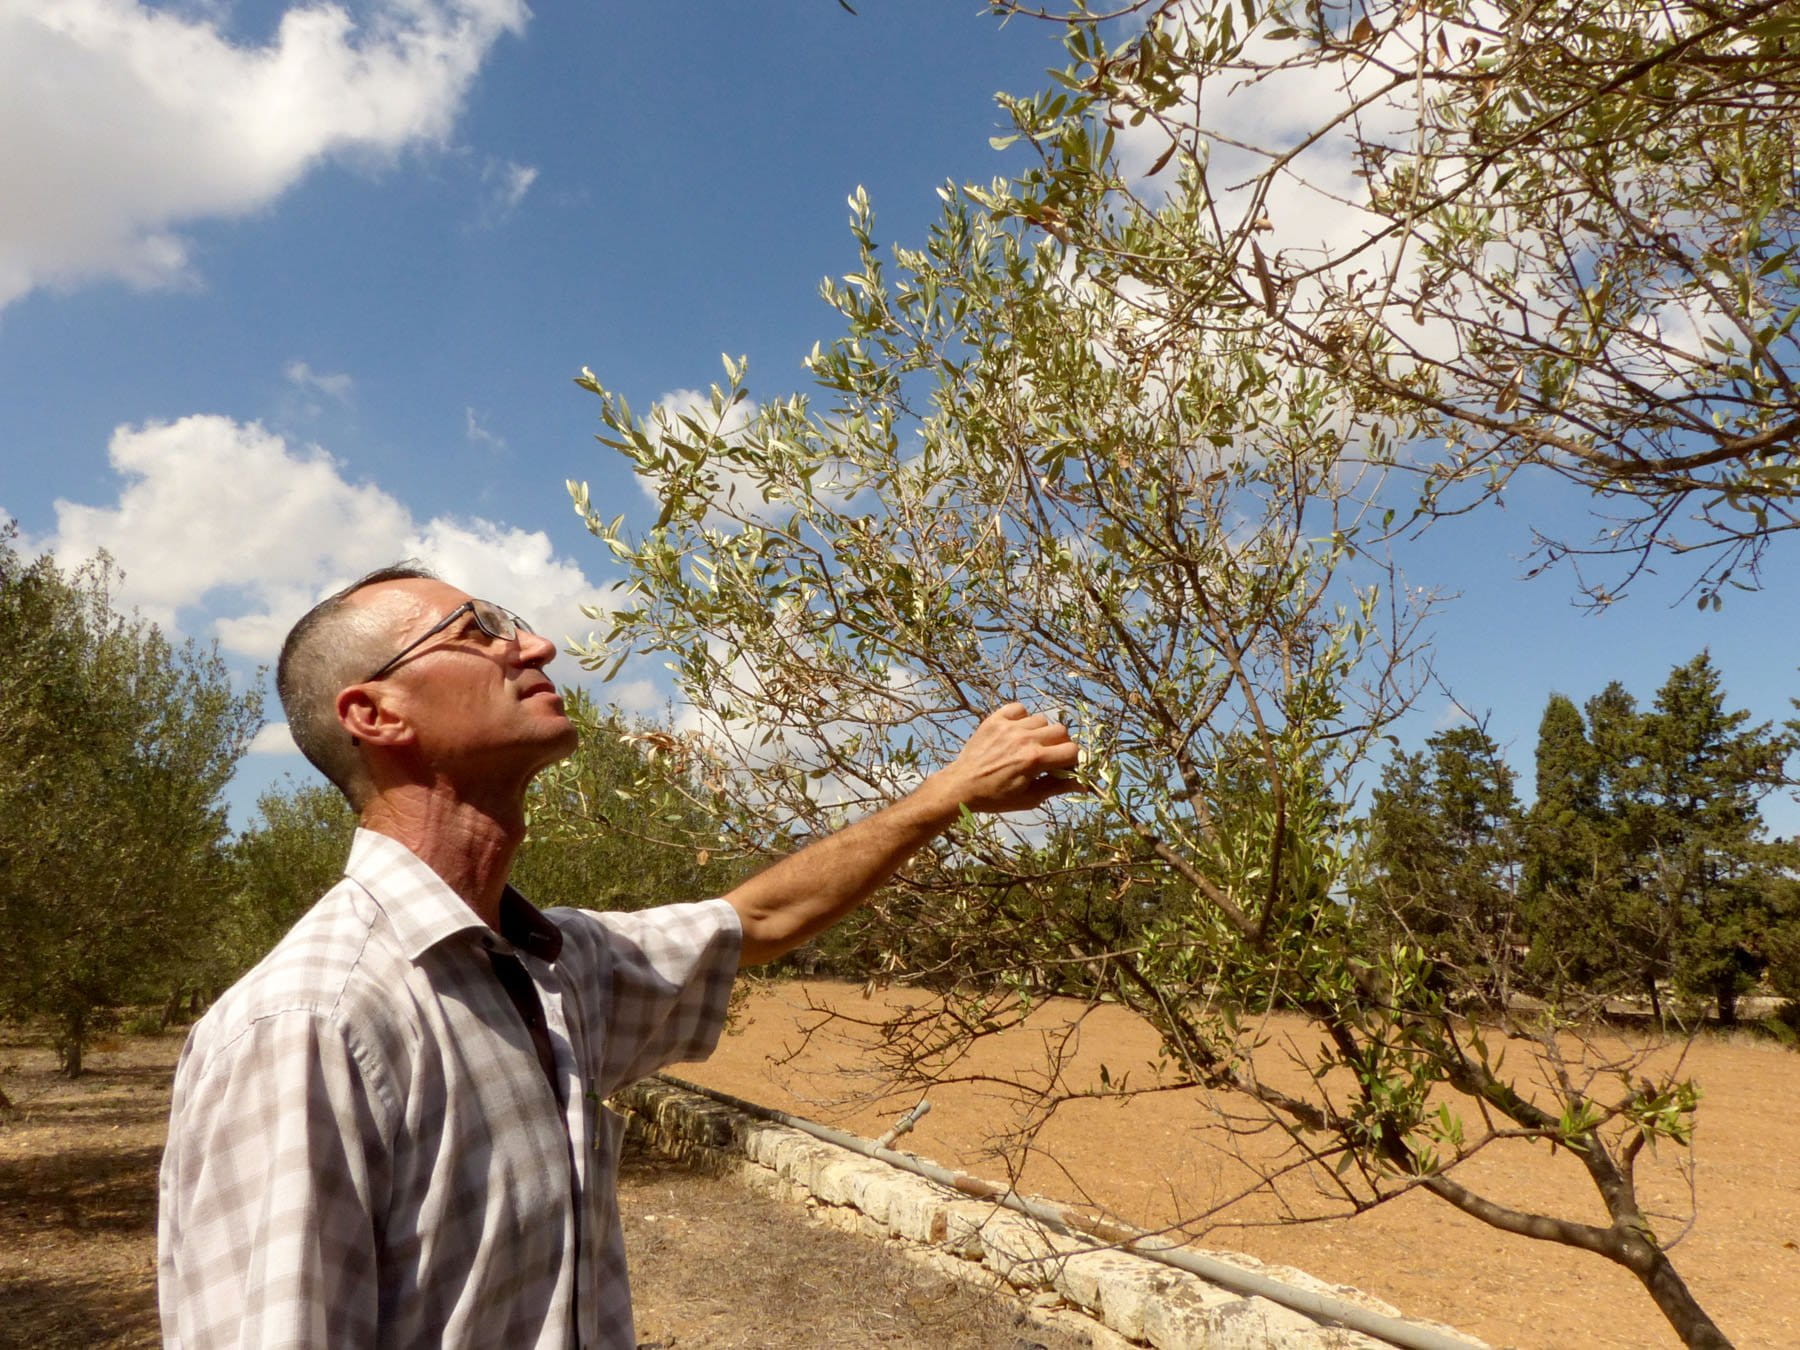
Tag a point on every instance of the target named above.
point(714, 1265)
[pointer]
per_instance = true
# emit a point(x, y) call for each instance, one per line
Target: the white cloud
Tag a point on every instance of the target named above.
point(741, 489)
point(636, 696)
point(1452, 714)
point(506, 184)
point(337, 386)
point(119, 122)
point(273, 739)
point(228, 516)
point(479, 434)
point(1316, 210)
point(514, 567)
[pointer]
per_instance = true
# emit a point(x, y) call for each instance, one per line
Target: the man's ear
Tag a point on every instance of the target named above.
point(365, 715)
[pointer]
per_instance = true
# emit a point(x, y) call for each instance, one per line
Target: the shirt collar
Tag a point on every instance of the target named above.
point(423, 911)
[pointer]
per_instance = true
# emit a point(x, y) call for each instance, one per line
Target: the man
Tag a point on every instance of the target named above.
point(390, 1132)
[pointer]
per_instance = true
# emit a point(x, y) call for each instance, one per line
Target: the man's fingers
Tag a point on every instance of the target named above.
point(1019, 759)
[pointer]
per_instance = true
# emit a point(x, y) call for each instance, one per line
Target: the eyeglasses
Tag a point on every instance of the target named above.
point(500, 624)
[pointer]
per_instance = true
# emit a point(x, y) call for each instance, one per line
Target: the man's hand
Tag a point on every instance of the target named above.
point(1015, 760)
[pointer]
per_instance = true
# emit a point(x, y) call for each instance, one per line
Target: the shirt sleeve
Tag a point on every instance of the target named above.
point(271, 1187)
point(668, 987)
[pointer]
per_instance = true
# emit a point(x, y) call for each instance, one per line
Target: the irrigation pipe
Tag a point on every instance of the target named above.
point(1320, 1307)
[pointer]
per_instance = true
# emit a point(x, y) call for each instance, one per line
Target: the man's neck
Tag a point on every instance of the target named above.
point(469, 845)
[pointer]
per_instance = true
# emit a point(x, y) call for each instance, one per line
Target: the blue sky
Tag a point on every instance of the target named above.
point(288, 292)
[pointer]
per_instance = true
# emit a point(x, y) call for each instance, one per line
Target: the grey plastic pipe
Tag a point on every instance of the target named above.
point(1319, 1307)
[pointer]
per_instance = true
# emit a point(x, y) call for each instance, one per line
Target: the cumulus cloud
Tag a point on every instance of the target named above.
point(273, 739)
point(637, 696)
point(740, 493)
point(1307, 118)
point(120, 123)
point(228, 516)
point(1318, 202)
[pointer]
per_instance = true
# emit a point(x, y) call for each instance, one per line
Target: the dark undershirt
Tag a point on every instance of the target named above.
point(529, 931)
point(524, 996)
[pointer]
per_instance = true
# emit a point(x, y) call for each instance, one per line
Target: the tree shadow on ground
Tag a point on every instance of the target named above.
point(81, 1190)
point(96, 1202)
point(60, 1313)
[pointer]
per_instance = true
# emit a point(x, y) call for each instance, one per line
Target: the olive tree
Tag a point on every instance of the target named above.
point(1562, 235)
point(1027, 475)
point(289, 855)
point(115, 749)
point(623, 822)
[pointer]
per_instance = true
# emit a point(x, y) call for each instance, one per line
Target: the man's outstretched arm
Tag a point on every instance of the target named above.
point(1015, 761)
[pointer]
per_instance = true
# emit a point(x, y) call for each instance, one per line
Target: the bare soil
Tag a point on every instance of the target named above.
point(1161, 1158)
point(713, 1264)
point(716, 1266)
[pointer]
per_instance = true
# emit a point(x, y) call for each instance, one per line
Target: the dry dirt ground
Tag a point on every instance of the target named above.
point(1163, 1157)
point(713, 1264)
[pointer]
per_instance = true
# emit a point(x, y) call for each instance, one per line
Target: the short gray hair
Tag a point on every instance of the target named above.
point(332, 647)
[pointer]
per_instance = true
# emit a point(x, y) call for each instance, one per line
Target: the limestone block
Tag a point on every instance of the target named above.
point(1124, 1291)
point(1083, 1273)
point(917, 1213)
point(807, 1160)
point(762, 1143)
point(1020, 1251)
point(870, 1191)
point(964, 1221)
point(1260, 1323)
point(1181, 1317)
point(871, 1228)
point(1192, 1315)
point(834, 1179)
point(775, 1148)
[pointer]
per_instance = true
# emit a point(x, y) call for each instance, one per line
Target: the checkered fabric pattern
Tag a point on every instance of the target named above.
point(363, 1147)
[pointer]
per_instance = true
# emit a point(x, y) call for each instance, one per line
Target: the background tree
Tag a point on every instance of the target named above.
point(115, 748)
point(1443, 860)
point(290, 854)
point(1572, 879)
point(1649, 859)
point(1784, 960)
point(1692, 819)
point(626, 821)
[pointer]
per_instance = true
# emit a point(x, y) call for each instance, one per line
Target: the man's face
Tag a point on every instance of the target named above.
point(477, 705)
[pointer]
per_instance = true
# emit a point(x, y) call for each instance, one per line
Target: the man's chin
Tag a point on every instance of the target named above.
point(565, 743)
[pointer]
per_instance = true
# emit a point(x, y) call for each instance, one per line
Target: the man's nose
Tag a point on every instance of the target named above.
point(535, 649)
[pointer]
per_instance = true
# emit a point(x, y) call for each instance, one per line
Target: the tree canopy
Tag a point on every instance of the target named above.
point(115, 748)
point(624, 823)
point(1443, 857)
point(1647, 858)
point(1549, 237)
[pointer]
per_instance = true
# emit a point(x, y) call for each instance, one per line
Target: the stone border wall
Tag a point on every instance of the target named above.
point(1124, 1299)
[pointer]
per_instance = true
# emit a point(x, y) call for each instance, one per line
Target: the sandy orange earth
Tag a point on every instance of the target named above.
point(1160, 1158)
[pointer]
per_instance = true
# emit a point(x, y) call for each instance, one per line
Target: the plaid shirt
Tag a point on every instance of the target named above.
point(363, 1147)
